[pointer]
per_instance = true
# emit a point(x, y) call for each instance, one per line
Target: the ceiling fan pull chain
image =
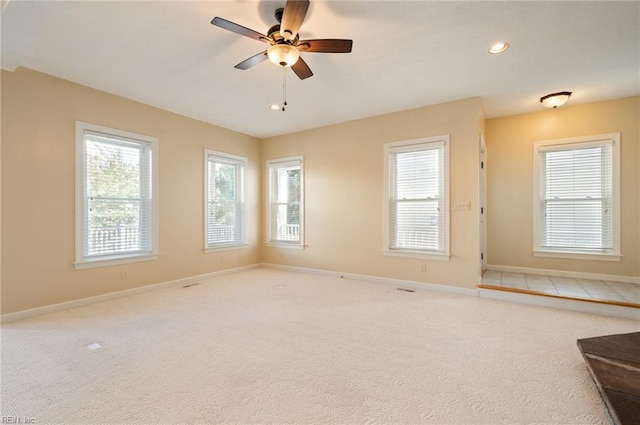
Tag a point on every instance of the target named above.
point(284, 87)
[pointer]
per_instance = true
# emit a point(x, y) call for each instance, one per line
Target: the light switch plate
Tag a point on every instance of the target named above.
point(462, 206)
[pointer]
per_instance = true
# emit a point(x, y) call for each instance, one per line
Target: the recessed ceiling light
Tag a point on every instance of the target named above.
point(274, 107)
point(498, 48)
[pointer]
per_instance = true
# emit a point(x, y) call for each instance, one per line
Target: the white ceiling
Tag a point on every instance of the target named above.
point(405, 55)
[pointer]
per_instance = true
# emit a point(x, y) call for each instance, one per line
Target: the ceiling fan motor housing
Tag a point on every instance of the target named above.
point(274, 34)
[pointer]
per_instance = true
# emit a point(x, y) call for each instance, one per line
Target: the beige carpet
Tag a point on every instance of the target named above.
point(272, 346)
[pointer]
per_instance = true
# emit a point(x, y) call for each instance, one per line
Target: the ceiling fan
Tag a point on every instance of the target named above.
point(285, 44)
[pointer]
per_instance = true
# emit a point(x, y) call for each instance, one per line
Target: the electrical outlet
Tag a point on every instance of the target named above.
point(124, 275)
point(423, 267)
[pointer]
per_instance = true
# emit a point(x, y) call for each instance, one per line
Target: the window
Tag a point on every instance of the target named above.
point(224, 209)
point(417, 198)
point(116, 202)
point(286, 212)
point(576, 197)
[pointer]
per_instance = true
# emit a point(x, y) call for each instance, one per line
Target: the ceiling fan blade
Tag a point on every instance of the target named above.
point(239, 29)
point(301, 69)
point(252, 61)
point(326, 46)
point(292, 17)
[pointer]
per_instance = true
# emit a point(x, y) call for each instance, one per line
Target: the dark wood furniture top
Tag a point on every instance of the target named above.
point(614, 364)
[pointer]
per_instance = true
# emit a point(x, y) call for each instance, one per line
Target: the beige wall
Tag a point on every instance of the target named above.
point(343, 190)
point(0, 196)
point(343, 166)
point(510, 181)
point(38, 198)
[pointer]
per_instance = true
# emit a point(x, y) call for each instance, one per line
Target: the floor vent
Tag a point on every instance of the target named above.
point(190, 285)
point(405, 290)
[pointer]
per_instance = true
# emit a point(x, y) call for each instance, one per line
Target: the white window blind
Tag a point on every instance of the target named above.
point(116, 211)
point(417, 198)
point(285, 201)
point(576, 197)
point(225, 210)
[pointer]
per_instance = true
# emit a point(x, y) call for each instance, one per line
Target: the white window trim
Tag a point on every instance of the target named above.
point(537, 251)
point(284, 162)
point(410, 145)
point(86, 263)
point(235, 159)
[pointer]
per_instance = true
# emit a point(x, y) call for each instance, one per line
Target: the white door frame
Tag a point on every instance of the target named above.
point(483, 204)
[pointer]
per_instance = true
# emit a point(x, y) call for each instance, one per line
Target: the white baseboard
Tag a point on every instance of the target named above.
point(531, 299)
point(608, 310)
point(389, 281)
point(39, 311)
point(564, 273)
point(562, 303)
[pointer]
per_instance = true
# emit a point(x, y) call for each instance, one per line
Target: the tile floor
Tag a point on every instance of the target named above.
point(575, 288)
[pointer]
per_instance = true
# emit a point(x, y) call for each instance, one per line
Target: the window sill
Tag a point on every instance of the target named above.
point(225, 247)
point(577, 255)
point(417, 254)
point(285, 245)
point(114, 261)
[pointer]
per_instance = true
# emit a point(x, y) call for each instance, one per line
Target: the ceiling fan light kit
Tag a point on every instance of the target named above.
point(283, 54)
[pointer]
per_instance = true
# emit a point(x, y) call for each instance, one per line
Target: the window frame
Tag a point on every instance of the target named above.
point(390, 148)
point(240, 187)
point(83, 261)
point(272, 166)
point(565, 144)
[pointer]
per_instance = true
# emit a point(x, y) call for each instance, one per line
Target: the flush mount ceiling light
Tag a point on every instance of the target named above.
point(498, 48)
point(554, 100)
point(274, 107)
point(283, 54)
